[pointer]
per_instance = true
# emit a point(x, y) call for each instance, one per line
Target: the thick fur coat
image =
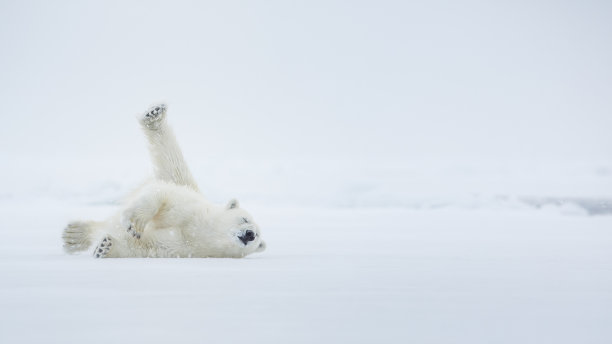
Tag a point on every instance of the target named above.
point(167, 216)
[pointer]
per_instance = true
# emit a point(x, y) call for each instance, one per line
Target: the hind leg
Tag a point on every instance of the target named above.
point(168, 161)
point(77, 235)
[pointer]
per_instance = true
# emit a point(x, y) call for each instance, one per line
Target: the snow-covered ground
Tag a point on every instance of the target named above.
point(330, 274)
point(363, 251)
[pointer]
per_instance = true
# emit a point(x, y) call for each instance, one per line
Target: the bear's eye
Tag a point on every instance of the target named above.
point(244, 220)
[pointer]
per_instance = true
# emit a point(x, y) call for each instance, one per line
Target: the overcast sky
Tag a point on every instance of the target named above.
point(279, 79)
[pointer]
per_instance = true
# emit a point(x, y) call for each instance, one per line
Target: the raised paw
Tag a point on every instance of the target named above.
point(132, 230)
point(153, 118)
point(104, 248)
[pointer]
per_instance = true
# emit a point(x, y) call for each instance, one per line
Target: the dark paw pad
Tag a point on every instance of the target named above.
point(155, 111)
point(103, 248)
point(133, 232)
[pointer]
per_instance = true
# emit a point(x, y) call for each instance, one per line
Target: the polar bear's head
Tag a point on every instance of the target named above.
point(237, 226)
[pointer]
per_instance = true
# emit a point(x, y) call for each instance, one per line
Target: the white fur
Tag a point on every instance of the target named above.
point(167, 216)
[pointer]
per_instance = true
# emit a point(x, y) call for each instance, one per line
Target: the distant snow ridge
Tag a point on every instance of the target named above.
point(565, 205)
point(593, 206)
point(580, 190)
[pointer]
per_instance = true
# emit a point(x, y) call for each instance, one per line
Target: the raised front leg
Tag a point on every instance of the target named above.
point(168, 162)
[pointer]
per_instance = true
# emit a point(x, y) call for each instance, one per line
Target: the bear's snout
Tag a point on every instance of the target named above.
point(249, 235)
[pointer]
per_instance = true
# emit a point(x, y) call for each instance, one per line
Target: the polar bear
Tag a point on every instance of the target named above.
point(167, 216)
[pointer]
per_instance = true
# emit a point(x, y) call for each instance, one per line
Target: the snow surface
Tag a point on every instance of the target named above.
point(329, 275)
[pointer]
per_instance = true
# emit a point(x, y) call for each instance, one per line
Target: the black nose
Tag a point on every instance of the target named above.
point(249, 235)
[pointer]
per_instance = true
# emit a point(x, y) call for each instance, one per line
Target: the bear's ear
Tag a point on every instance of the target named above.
point(232, 204)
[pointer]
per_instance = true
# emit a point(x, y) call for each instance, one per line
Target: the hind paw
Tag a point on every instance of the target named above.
point(104, 248)
point(76, 237)
point(153, 118)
